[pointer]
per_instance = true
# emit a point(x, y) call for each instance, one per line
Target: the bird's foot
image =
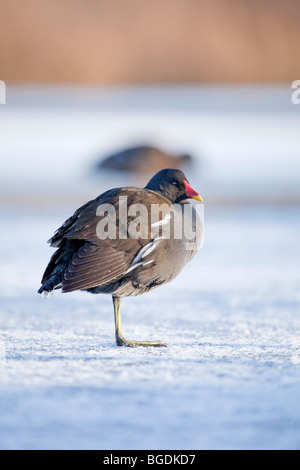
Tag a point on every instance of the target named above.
point(132, 343)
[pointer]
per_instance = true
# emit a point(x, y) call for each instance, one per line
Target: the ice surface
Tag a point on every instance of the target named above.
point(230, 377)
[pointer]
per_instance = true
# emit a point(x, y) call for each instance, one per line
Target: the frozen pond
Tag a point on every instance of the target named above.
point(230, 377)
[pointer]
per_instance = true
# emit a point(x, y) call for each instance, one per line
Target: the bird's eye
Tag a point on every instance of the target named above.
point(175, 183)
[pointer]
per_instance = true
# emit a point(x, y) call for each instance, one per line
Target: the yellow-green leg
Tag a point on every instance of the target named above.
point(121, 341)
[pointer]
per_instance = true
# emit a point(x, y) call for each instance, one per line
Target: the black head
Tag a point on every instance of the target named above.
point(173, 185)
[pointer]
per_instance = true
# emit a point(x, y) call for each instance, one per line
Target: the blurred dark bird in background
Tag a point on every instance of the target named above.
point(143, 159)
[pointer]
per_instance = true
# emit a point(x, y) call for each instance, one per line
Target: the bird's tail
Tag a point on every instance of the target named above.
point(54, 273)
point(53, 281)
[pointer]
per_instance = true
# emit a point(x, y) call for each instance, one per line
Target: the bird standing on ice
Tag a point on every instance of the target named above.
point(105, 248)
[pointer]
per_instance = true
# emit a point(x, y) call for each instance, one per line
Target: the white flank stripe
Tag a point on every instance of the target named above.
point(164, 221)
point(147, 249)
point(137, 265)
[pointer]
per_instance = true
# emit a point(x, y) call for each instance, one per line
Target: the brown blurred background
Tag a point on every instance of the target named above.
point(149, 41)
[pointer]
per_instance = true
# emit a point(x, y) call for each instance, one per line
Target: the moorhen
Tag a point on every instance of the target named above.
point(143, 159)
point(103, 248)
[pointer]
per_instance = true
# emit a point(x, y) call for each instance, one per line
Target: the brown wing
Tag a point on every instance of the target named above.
point(82, 225)
point(93, 265)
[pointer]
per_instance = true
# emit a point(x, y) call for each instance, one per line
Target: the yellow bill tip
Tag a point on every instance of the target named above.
point(198, 198)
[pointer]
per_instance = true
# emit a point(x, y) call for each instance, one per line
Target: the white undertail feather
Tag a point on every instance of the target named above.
point(46, 294)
